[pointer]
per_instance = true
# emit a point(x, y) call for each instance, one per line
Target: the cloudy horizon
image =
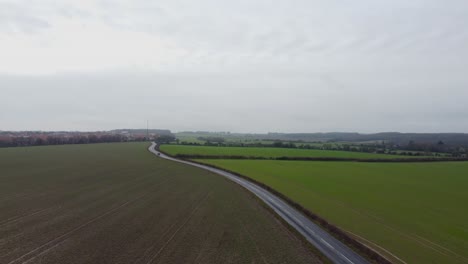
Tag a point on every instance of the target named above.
point(245, 66)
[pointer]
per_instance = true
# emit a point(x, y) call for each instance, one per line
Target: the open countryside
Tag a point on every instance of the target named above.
point(234, 132)
point(413, 211)
point(118, 203)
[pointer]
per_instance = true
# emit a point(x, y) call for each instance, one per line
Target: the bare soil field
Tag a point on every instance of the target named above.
point(117, 203)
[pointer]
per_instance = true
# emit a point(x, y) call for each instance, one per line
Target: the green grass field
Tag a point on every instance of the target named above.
point(270, 152)
point(118, 203)
point(194, 138)
point(417, 211)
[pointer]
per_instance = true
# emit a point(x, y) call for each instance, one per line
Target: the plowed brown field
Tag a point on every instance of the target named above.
point(117, 203)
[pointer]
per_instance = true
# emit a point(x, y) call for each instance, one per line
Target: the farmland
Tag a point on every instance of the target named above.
point(117, 203)
point(270, 152)
point(416, 211)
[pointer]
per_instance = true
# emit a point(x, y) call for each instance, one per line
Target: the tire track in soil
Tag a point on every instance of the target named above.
point(45, 248)
point(153, 245)
point(103, 193)
point(18, 218)
point(253, 241)
point(148, 250)
point(154, 257)
point(59, 190)
point(136, 184)
point(79, 189)
point(58, 240)
point(367, 242)
point(11, 196)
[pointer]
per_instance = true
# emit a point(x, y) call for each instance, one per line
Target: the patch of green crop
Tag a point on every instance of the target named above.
point(270, 152)
point(417, 211)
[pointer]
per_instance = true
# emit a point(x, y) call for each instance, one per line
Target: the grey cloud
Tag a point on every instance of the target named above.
point(238, 102)
point(33, 16)
point(259, 66)
point(14, 19)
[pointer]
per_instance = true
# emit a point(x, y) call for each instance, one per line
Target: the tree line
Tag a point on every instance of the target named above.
point(437, 149)
point(22, 141)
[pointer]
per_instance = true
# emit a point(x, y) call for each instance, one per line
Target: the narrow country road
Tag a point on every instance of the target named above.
point(336, 251)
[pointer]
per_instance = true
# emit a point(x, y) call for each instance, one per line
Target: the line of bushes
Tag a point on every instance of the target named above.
point(240, 157)
point(411, 149)
point(22, 141)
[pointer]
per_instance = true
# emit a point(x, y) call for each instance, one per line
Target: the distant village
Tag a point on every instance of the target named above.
point(39, 138)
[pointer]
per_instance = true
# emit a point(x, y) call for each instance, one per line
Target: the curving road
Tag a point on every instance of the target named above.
point(336, 251)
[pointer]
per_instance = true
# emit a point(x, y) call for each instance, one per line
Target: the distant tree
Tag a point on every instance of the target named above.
point(5, 143)
point(93, 139)
point(39, 142)
point(278, 144)
point(164, 139)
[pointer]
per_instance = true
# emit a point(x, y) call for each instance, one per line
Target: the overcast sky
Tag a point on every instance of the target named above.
point(242, 66)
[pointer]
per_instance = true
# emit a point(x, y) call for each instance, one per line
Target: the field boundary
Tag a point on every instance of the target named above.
point(335, 231)
point(240, 157)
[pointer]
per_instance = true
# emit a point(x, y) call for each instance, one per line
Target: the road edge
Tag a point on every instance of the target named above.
point(364, 250)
